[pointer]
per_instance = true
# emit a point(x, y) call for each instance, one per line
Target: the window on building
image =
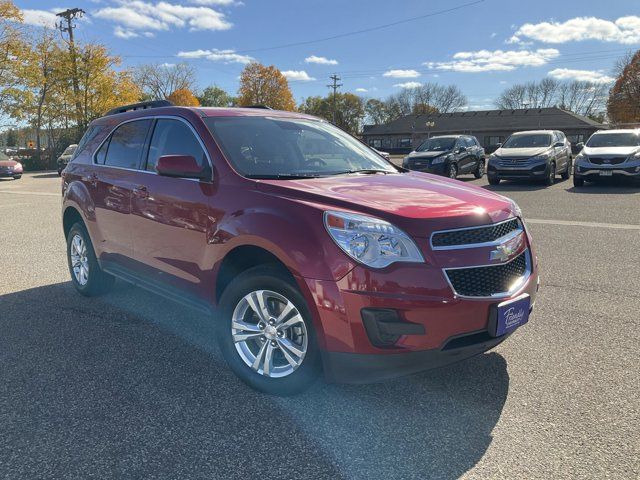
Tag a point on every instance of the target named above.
point(405, 142)
point(375, 143)
point(492, 141)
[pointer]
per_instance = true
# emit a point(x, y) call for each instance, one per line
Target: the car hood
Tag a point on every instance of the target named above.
point(8, 163)
point(418, 203)
point(520, 152)
point(432, 154)
point(613, 151)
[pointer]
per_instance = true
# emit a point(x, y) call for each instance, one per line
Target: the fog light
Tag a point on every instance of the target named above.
point(385, 327)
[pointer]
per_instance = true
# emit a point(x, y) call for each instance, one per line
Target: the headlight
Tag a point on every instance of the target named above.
point(542, 156)
point(516, 209)
point(17, 166)
point(439, 159)
point(581, 156)
point(371, 241)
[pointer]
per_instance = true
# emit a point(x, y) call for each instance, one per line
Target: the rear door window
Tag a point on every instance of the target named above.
point(174, 137)
point(126, 145)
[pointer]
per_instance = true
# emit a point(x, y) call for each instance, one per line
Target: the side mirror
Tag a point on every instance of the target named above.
point(558, 144)
point(182, 166)
point(498, 145)
point(580, 145)
point(461, 149)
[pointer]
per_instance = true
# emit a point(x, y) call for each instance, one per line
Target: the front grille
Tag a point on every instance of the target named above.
point(471, 236)
point(6, 169)
point(512, 162)
point(489, 280)
point(607, 161)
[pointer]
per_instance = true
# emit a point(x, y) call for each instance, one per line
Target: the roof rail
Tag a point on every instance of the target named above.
point(140, 106)
point(259, 106)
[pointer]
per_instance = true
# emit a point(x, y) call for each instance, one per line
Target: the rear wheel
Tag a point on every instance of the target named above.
point(452, 171)
point(265, 332)
point(86, 275)
point(578, 181)
point(493, 180)
point(479, 172)
point(550, 179)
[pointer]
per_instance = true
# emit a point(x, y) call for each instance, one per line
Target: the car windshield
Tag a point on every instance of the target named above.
point(271, 147)
point(440, 144)
point(528, 141)
point(626, 139)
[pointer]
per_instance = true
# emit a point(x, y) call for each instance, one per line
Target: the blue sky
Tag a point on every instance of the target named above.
point(482, 47)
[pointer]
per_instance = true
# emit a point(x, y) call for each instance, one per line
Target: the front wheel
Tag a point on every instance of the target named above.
point(265, 332)
point(452, 171)
point(493, 180)
point(550, 179)
point(578, 181)
point(86, 275)
point(479, 172)
point(17, 177)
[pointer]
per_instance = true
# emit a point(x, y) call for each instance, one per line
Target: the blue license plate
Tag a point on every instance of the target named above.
point(512, 314)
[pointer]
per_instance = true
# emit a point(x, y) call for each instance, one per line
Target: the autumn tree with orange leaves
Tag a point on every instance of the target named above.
point(260, 85)
point(184, 97)
point(624, 98)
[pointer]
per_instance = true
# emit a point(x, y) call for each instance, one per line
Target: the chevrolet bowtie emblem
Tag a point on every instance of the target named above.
point(502, 253)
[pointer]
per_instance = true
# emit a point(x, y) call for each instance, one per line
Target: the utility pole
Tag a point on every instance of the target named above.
point(335, 85)
point(66, 26)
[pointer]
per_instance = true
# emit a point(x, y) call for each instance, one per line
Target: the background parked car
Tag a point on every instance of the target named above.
point(384, 154)
point(10, 167)
point(609, 153)
point(63, 159)
point(533, 155)
point(448, 155)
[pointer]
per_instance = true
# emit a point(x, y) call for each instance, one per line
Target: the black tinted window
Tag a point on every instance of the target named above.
point(173, 137)
point(126, 144)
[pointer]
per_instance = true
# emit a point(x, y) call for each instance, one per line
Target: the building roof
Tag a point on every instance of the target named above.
point(552, 118)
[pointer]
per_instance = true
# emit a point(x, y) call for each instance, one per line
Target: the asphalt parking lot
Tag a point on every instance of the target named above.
point(131, 385)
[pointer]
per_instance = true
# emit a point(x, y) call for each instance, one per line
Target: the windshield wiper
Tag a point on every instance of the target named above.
point(282, 176)
point(364, 171)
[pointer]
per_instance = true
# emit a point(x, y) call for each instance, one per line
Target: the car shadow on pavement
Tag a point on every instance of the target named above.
point(46, 175)
point(131, 385)
point(608, 187)
point(516, 186)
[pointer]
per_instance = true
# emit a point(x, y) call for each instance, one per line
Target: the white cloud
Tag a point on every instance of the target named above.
point(408, 85)
point(361, 90)
point(401, 74)
point(141, 15)
point(123, 33)
point(496, 60)
point(39, 18)
point(215, 55)
point(320, 60)
point(623, 30)
point(595, 76)
point(493, 34)
point(297, 76)
point(222, 3)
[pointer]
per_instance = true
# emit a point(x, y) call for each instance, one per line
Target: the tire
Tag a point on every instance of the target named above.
point(551, 175)
point(479, 172)
point(17, 177)
point(452, 171)
point(493, 180)
point(86, 275)
point(567, 173)
point(59, 172)
point(578, 181)
point(285, 376)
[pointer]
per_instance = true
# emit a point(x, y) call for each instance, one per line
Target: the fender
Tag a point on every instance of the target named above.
point(76, 196)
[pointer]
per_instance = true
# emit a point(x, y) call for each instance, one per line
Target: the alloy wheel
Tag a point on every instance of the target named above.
point(269, 333)
point(79, 260)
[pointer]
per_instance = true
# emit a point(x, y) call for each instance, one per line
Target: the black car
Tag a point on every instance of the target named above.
point(532, 155)
point(66, 156)
point(448, 155)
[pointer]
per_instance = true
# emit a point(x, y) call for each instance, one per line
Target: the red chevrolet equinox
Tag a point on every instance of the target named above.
point(309, 251)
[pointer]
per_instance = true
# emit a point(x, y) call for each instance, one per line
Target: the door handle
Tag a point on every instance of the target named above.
point(141, 191)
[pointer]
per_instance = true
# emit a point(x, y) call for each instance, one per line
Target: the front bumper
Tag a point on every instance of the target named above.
point(528, 171)
point(449, 327)
point(13, 173)
point(590, 171)
point(426, 166)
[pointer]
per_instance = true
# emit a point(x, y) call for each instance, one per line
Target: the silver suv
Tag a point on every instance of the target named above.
point(532, 155)
point(609, 153)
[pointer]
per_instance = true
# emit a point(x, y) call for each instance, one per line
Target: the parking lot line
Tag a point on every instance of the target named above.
point(45, 194)
point(618, 226)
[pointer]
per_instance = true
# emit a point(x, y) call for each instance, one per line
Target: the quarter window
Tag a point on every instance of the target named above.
point(174, 137)
point(126, 145)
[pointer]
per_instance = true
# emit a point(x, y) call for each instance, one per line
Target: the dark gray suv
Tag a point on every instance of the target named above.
point(532, 155)
point(448, 155)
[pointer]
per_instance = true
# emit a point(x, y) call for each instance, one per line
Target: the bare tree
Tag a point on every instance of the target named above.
point(158, 81)
point(427, 97)
point(513, 97)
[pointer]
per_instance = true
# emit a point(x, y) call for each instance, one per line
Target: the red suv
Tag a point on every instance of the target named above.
point(310, 251)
